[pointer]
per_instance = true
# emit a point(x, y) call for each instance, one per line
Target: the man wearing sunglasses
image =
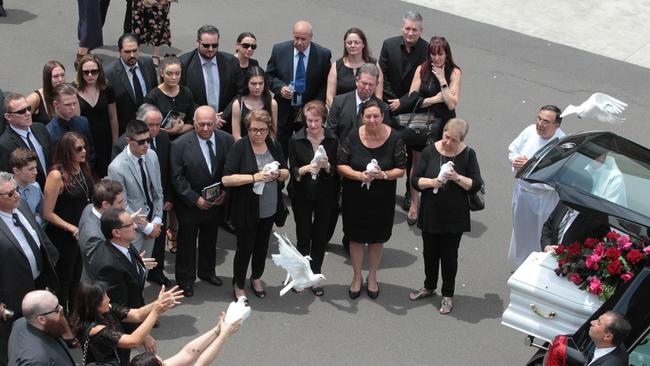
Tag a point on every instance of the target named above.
point(210, 74)
point(21, 132)
point(36, 338)
point(27, 254)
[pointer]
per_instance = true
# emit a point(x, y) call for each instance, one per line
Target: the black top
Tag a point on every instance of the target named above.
point(448, 210)
point(102, 345)
point(244, 211)
point(180, 103)
point(301, 152)
point(345, 78)
point(100, 127)
point(429, 88)
point(30, 346)
point(398, 67)
point(41, 115)
point(241, 76)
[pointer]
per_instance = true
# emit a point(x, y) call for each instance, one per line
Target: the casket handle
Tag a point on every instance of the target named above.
point(550, 315)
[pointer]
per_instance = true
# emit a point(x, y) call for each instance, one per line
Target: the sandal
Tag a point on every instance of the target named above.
point(421, 294)
point(446, 305)
point(171, 242)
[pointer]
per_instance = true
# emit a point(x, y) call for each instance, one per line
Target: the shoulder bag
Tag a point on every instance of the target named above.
point(476, 200)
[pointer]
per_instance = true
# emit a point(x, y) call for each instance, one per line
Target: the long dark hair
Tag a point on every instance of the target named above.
point(48, 89)
point(101, 77)
point(365, 53)
point(252, 72)
point(436, 45)
point(63, 157)
point(90, 295)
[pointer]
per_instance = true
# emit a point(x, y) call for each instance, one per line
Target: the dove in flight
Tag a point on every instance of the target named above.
point(299, 274)
point(599, 106)
point(237, 310)
point(442, 176)
point(319, 156)
point(372, 166)
point(273, 166)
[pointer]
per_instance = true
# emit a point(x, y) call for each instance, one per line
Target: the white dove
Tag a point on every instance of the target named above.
point(237, 310)
point(297, 266)
point(372, 165)
point(273, 166)
point(599, 106)
point(319, 155)
point(442, 176)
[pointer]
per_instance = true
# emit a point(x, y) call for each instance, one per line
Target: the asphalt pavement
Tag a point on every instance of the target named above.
point(507, 76)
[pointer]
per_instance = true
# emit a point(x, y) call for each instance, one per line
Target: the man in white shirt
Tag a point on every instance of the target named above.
point(531, 203)
point(609, 332)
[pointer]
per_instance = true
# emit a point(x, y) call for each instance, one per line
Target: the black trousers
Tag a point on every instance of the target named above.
point(252, 245)
point(68, 269)
point(103, 9)
point(286, 128)
point(441, 251)
point(313, 219)
point(189, 229)
point(128, 14)
point(159, 246)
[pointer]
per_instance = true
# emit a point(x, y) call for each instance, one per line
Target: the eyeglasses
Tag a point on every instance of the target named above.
point(140, 142)
point(125, 226)
point(9, 194)
point(210, 45)
point(248, 45)
point(256, 131)
point(93, 72)
point(57, 310)
point(22, 111)
point(80, 148)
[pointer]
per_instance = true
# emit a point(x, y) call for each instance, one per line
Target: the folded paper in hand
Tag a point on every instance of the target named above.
point(211, 192)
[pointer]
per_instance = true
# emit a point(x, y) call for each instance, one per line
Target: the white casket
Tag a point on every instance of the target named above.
point(543, 304)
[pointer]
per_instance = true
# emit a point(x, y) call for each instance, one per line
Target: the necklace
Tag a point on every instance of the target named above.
point(80, 181)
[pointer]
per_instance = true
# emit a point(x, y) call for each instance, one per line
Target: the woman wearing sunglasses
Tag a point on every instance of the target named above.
point(97, 104)
point(68, 190)
point(244, 50)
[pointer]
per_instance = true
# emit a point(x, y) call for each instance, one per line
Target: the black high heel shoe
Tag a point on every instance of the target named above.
point(260, 294)
point(372, 294)
point(354, 294)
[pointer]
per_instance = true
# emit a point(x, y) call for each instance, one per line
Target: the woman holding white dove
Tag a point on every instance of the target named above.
point(314, 184)
point(444, 207)
point(369, 191)
point(254, 205)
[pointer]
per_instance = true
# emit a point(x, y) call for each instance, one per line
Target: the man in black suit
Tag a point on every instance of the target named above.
point(160, 143)
point(566, 226)
point(206, 64)
point(2, 111)
point(197, 162)
point(21, 132)
point(609, 332)
point(130, 91)
point(28, 256)
point(297, 72)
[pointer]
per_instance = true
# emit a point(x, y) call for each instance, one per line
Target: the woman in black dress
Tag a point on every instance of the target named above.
point(151, 24)
point(256, 96)
point(341, 78)
point(171, 96)
point(444, 215)
point(97, 104)
point(369, 196)
point(68, 190)
point(97, 321)
point(251, 214)
point(314, 187)
point(41, 99)
point(244, 49)
point(437, 82)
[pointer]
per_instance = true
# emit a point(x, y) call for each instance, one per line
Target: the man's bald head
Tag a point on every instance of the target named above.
point(205, 118)
point(38, 302)
point(302, 34)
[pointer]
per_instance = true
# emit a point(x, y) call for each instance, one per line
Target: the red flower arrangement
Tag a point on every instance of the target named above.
point(601, 265)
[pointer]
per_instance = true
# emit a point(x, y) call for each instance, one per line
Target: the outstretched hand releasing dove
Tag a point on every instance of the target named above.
point(442, 176)
point(319, 156)
point(237, 310)
point(273, 166)
point(372, 166)
point(297, 267)
point(599, 106)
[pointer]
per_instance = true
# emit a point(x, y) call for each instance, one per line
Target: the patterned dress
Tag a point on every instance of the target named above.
point(152, 24)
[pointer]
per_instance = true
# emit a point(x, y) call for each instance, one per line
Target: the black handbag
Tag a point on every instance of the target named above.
point(418, 127)
point(282, 213)
point(476, 200)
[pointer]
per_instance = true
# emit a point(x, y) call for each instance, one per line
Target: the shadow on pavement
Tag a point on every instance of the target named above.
point(17, 16)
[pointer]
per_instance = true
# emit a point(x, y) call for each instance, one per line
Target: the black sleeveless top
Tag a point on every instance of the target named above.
point(429, 88)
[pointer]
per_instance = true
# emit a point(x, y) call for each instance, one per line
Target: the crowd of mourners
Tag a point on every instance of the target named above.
point(108, 168)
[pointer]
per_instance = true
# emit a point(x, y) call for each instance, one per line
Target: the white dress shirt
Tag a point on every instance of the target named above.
point(204, 149)
point(22, 240)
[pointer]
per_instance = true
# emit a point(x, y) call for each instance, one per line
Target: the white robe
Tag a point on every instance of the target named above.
point(608, 181)
point(531, 203)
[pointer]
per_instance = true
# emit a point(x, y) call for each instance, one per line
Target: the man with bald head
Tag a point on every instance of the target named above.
point(297, 71)
point(36, 338)
point(197, 161)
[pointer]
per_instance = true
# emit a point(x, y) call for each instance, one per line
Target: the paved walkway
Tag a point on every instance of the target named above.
point(611, 28)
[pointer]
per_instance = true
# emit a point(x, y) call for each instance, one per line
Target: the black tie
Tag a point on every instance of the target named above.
point(145, 187)
point(30, 240)
point(213, 157)
point(29, 142)
point(138, 269)
point(152, 143)
point(137, 87)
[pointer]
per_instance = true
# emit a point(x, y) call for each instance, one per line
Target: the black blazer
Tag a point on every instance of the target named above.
point(124, 96)
point(190, 172)
point(124, 284)
point(618, 357)
point(245, 207)
point(326, 186)
point(10, 141)
point(397, 75)
point(163, 151)
point(15, 272)
point(279, 71)
point(343, 116)
point(581, 228)
point(30, 346)
point(192, 77)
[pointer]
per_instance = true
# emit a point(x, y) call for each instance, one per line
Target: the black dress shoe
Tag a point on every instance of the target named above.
point(3, 13)
point(354, 294)
point(212, 279)
point(227, 227)
point(159, 278)
point(372, 294)
point(260, 294)
point(188, 290)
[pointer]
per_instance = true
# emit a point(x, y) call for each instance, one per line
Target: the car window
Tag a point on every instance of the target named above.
point(640, 355)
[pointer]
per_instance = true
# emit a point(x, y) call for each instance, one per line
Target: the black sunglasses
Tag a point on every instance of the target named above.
point(210, 45)
point(22, 111)
point(9, 194)
point(248, 45)
point(125, 226)
point(93, 72)
point(56, 310)
point(140, 142)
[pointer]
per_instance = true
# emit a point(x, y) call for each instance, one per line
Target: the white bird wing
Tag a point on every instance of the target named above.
point(569, 110)
point(291, 260)
point(444, 168)
point(237, 310)
point(319, 155)
point(599, 106)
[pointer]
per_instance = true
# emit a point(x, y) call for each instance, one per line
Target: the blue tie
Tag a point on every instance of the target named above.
point(300, 74)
